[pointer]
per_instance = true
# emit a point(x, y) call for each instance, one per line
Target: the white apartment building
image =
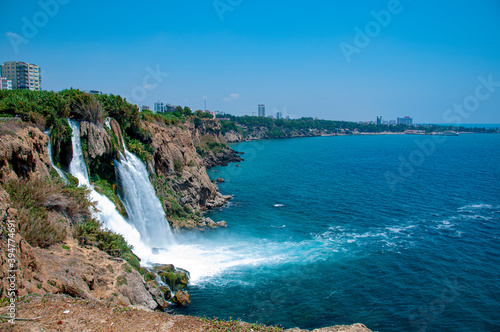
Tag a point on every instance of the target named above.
point(5, 84)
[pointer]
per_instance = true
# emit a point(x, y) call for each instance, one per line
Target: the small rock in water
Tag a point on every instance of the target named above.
point(222, 223)
point(181, 298)
point(220, 180)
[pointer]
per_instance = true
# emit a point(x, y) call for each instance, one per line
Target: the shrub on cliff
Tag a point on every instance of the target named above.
point(106, 240)
point(36, 198)
point(84, 106)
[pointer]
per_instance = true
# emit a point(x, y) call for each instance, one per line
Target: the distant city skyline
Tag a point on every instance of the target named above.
point(337, 61)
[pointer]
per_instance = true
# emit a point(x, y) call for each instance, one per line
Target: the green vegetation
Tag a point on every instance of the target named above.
point(170, 198)
point(107, 189)
point(140, 149)
point(121, 280)
point(107, 240)
point(210, 143)
point(216, 325)
point(60, 139)
point(178, 166)
point(83, 106)
point(35, 198)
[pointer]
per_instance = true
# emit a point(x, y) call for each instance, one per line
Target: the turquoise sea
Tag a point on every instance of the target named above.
point(401, 233)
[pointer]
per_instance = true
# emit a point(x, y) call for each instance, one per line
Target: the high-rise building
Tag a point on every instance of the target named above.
point(23, 75)
point(262, 110)
point(406, 120)
point(279, 115)
point(379, 120)
point(159, 107)
point(169, 108)
point(5, 84)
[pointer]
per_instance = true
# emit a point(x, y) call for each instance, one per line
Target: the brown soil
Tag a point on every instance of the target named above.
point(49, 314)
point(63, 313)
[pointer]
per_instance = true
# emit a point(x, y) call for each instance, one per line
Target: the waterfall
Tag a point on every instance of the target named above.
point(107, 212)
point(58, 170)
point(143, 206)
point(148, 229)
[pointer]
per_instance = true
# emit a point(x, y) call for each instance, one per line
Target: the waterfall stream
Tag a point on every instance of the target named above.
point(143, 206)
point(107, 212)
point(58, 170)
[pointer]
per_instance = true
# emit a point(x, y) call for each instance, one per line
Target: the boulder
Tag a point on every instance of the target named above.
point(175, 280)
point(167, 293)
point(115, 127)
point(222, 224)
point(163, 267)
point(132, 287)
point(150, 276)
point(181, 298)
point(157, 294)
point(220, 180)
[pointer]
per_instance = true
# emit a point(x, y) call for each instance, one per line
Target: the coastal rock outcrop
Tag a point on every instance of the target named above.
point(23, 152)
point(339, 328)
point(181, 180)
point(233, 136)
point(212, 145)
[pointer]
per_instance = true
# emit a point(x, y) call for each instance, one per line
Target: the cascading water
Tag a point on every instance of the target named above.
point(58, 170)
point(107, 213)
point(143, 206)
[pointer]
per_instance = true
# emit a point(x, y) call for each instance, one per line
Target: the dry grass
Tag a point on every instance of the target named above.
point(11, 127)
point(36, 198)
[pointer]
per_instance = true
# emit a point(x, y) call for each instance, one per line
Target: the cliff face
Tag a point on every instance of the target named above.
point(212, 145)
point(23, 151)
point(180, 177)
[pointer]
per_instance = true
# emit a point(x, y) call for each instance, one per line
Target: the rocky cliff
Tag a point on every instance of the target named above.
point(180, 176)
point(23, 151)
point(63, 267)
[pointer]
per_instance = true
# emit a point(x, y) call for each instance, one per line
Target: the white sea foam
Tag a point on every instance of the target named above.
point(475, 207)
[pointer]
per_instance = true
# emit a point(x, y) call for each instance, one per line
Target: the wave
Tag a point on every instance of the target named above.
point(475, 207)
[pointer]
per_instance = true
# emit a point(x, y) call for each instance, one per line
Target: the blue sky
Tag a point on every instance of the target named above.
point(291, 56)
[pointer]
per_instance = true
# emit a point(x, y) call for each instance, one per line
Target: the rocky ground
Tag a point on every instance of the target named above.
point(63, 313)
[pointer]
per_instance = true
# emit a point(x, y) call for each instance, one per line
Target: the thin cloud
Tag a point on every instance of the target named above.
point(232, 96)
